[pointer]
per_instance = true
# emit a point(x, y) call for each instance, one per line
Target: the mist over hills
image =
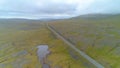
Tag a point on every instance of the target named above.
point(23, 20)
point(96, 16)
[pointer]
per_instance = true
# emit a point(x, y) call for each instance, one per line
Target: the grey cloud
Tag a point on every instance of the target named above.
point(21, 6)
point(49, 8)
point(56, 9)
point(105, 6)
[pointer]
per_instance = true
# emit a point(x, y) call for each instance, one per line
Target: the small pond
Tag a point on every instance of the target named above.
point(43, 51)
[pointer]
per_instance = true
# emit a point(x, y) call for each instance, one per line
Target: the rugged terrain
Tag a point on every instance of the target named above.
point(19, 40)
point(98, 35)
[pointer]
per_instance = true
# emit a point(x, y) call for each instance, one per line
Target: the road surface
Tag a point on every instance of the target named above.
point(95, 63)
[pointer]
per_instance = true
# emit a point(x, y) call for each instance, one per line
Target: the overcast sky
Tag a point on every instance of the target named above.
point(55, 8)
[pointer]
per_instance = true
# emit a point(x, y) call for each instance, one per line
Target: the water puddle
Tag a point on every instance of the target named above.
point(42, 54)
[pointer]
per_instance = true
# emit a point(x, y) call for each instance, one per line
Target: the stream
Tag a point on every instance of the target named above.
point(42, 54)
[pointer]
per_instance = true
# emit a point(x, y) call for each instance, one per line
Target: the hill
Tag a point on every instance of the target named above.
point(97, 35)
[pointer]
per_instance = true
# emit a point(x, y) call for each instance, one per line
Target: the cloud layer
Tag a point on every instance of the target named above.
point(55, 8)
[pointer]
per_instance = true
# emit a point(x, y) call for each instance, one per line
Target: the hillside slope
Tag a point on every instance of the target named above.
point(96, 35)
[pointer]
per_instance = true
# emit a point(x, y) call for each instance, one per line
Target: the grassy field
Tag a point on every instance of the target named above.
point(18, 47)
point(96, 35)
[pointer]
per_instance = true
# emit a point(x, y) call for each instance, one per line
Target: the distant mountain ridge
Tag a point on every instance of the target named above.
point(19, 20)
point(96, 16)
point(83, 17)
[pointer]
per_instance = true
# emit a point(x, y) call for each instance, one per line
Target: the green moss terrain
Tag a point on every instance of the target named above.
point(18, 46)
point(96, 35)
